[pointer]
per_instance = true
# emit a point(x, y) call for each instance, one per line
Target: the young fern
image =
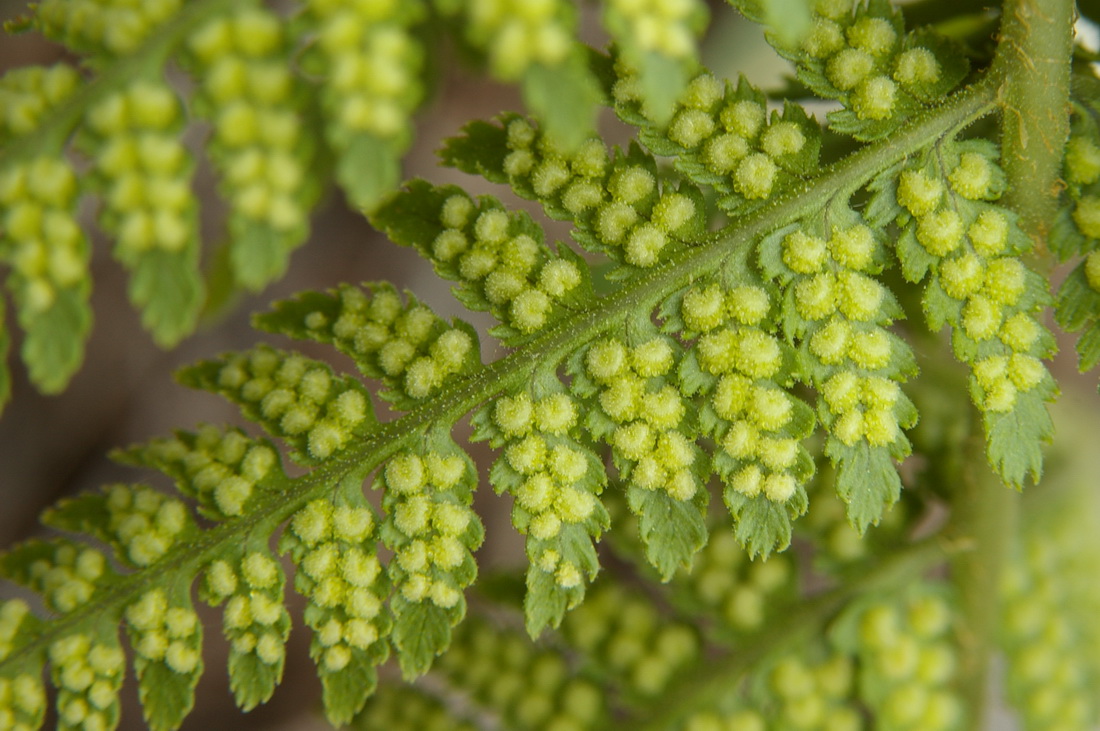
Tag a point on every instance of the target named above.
point(742, 339)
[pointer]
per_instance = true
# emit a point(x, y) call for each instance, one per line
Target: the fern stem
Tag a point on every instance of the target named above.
point(56, 127)
point(983, 522)
point(718, 679)
point(551, 347)
point(1033, 65)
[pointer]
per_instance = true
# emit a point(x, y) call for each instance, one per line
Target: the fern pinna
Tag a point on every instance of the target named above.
point(715, 371)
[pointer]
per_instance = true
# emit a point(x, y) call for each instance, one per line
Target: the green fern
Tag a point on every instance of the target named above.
point(741, 373)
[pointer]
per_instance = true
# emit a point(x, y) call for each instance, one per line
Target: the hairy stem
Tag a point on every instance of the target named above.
point(1033, 66)
point(715, 680)
point(552, 346)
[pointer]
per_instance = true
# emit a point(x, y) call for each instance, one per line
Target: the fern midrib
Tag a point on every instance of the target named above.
point(551, 347)
point(61, 121)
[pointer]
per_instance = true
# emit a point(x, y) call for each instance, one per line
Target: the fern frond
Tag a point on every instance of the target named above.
point(745, 283)
point(630, 387)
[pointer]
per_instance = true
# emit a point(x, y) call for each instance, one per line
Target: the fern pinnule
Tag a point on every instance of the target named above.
point(369, 62)
point(259, 145)
point(432, 530)
point(405, 345)
point(620, 633)
point(638, 409)
point(524, 686)
point(49, 283)
point(616, 201)
point(838, 311)
point(145, 173)
point(721, 137)
point(498, 257)
point(1075, 232)
point(742, 372)
point(657, 45)
point(556, 479)
point(859, 53)
point(293, 397)
point(333, 543)
point(953, 230)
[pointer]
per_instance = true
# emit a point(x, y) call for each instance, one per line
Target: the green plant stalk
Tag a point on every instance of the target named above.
point(714, 680)
point(552, 346)
point(983, 523)
point(1033, 65)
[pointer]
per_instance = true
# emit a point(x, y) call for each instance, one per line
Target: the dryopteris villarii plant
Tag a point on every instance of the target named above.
point(725, 366)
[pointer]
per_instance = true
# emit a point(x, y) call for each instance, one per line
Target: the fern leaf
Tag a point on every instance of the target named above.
point(646, 422)
point(433, 531)
point(499, 258)
point(405, 345)
point(270, 186)
point(145, 174)
point(405, 708)
point(166, 634)
point(225, 471)
point(860, 55)
point(21, 679)
point(615, 202)
point(661, 62)
point(555, 479)
point(534, 46)
point(293, 397)
point(720, 137)
point(968, 248)
point(334, 548)
point(839, 313)
point(367, 112)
